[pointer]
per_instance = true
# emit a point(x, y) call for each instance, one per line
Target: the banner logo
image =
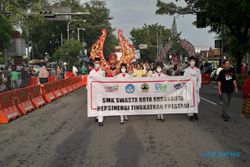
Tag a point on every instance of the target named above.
point(178, 86)
point(130, 88)
point(161, 87)
point(113, 88)
point(144, 87)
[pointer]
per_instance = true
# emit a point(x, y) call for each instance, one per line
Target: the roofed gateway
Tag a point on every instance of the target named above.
point(176, 51)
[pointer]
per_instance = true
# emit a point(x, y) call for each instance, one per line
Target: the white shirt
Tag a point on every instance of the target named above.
point(123, 75)
point(75, 70)
point(97, 73)
point(194, 72)
point(157, 75)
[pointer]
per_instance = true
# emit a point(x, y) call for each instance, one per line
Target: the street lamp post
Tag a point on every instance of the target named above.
point(78, 32)
point(69, 25)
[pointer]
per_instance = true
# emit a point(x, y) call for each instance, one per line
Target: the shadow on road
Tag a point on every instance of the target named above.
point(74, 148)
point(129, 149)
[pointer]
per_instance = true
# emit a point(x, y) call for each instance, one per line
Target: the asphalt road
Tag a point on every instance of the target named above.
point(61, 135)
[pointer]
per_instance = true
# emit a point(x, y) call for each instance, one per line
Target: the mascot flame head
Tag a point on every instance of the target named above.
point(112, 58)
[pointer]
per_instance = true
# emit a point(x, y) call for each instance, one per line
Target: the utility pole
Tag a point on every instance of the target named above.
point(61, 39)
point(68, 26)
point(157, 38)
point(5, 50)
point(78, 33)
point(222, 41)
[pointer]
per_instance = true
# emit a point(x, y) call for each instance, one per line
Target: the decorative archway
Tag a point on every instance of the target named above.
point(186, 45)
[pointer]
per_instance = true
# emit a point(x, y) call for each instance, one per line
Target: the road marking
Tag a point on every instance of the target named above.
point(211, 102)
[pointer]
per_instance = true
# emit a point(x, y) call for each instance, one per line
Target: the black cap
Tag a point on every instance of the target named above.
point(97, 59)
point(159, 64)
point(123, 64)
point(192, 58)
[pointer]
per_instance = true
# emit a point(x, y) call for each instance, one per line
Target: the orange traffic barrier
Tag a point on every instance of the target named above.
point(72, 83)
point(56, 89)
point(8, 109)
point(36, 96)
point(79, 82)
point(33, 81)
point(85, 79)
point(64, 89)
point(47, 92)
point(23, 99)
point(69, 86)
point(52, 78)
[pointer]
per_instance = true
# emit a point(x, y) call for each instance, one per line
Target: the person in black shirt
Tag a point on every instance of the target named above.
point(226, 86)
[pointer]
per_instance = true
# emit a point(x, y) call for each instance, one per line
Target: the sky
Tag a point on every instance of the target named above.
point(128, 14)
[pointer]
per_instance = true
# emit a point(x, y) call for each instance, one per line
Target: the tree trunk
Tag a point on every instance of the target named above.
point(238, 57)
point(238, 63)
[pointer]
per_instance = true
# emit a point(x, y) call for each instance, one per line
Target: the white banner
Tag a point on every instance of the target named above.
point(141, 96)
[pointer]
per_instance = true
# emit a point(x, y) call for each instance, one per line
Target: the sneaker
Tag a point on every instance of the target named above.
point(191, 118)
point(162, 117)
point(196, 116)
point(100, 123)
point(121, 122)
point(126, 118)
point(96, 119)
point(158, 117)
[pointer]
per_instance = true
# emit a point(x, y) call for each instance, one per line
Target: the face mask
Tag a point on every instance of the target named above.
point(97, 65)
point(123, 70)
point(192, 63)
point(158, 69)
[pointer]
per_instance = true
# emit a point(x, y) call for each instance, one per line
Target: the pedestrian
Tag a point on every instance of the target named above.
point(193, 71)
point(33, 72)
point(75, 70)
point(15, 78)
point(83, 69)
point(158, 74)
point(64, 69)
point(97, 72)
point(217, 74)
point(24, 77)
point(59, 73)
point(43, 75)
point(139, 72)
point(1, 74)
point(123, 74)
point(7, 77)
point(148, 72)
point(243, 68)
point(3, 87)
point(226, 85)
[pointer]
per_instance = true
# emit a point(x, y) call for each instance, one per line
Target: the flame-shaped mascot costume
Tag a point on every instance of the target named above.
point(128, 52)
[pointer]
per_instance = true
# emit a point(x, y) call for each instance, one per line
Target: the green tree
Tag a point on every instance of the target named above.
point(5, 33)
point(69, 52)
point(45, 36)
point(233, 14)
point(148, 34)
point(99, 19)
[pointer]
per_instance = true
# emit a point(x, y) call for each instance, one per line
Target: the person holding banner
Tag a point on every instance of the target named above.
point(196, 73)
point(123, 74)
point(158, 74)
point(97, 72)
point(139, 72)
